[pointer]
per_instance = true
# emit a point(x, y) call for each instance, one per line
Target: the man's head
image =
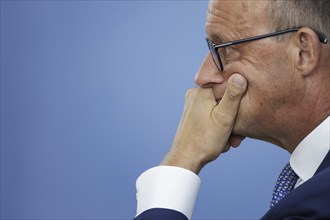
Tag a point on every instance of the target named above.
point(288, 75)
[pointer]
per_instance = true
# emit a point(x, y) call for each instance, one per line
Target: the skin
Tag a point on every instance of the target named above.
point(286, 98)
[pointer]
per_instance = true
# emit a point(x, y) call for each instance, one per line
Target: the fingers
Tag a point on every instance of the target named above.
point(205, 129)
point(198, 99)
point(200, 94)
point(225, 112)
point(235, 140)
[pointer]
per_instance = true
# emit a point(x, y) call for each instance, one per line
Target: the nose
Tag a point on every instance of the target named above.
point(208, 73)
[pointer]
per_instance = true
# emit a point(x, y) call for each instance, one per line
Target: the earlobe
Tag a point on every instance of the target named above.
point(309, 51)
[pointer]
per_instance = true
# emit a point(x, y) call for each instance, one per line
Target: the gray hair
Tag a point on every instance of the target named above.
point(298, 13)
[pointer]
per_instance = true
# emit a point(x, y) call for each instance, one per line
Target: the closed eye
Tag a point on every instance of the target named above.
point(230, 53)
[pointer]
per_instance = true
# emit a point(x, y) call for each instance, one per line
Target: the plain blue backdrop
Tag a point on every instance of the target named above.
point(91, 95)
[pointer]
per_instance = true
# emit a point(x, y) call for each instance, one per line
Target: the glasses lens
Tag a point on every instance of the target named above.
point(215, 54)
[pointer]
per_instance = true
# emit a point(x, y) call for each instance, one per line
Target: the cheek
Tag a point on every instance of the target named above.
point(270, 77)
point(257, 101)
point(264, 57)
point(253, 102)
point(268, 92)
point(267, 70)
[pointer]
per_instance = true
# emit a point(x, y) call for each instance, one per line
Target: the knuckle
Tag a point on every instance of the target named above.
point(225, 121)
point(222, 119)
point(233, 94)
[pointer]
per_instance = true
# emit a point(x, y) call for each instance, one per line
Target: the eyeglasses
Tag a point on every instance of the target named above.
point(214, 49)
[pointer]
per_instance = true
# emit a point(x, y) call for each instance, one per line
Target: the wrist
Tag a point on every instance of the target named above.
point(192, 163)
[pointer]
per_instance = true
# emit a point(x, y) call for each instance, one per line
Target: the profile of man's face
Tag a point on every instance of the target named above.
point(266, 64)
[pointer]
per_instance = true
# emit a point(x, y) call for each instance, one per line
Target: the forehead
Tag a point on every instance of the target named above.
point(235, 19)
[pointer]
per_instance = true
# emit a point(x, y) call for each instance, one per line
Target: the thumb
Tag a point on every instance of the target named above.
point(225, 112)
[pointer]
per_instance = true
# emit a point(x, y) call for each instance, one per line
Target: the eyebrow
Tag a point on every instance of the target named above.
point(215, 38)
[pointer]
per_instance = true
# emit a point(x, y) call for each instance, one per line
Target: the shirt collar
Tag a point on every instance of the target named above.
point(311, 151)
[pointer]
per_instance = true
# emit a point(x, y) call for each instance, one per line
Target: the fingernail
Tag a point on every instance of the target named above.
point(238, 80)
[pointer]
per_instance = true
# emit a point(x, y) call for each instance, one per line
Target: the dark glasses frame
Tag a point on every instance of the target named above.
point(214, 47)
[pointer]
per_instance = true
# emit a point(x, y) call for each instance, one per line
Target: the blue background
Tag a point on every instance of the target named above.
point(91, 95)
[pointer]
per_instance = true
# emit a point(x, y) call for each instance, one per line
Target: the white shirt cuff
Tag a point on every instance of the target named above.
point(167, 187)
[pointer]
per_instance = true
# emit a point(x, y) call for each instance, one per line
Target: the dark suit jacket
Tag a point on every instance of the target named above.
point(311, 200)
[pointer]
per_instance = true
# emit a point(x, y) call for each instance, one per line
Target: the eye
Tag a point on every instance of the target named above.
point(225, 53)
point(230, 53)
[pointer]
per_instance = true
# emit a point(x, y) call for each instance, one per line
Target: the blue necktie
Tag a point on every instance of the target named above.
point(284, 184)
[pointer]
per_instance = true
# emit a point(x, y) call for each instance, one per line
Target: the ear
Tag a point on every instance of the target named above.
point(308, 55)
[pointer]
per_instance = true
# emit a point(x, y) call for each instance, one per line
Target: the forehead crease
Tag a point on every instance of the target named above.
point(214, 20)
point(213, 11)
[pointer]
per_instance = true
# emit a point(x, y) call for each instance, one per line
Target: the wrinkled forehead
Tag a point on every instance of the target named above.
point(243, 18)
